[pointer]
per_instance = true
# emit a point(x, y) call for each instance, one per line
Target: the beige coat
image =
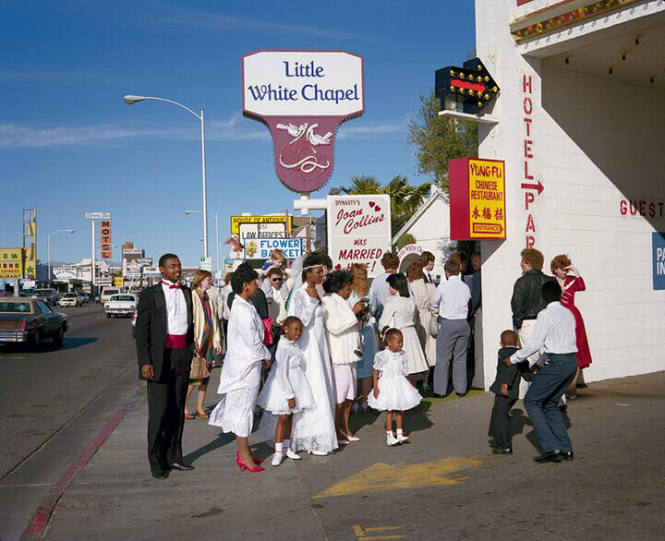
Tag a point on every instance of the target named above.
point(199, 321)
point(422, 293)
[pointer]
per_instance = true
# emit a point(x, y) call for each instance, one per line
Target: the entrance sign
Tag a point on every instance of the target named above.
point(359, 231)
point(658, 244)
point(477, 199)
point(303, 96)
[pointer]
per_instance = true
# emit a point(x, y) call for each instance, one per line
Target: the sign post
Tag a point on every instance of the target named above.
point(93, 216)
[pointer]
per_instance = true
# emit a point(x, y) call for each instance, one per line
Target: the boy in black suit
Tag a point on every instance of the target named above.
point(506, 388)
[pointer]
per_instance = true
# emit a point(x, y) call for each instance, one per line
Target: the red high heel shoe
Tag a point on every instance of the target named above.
point(244, 466)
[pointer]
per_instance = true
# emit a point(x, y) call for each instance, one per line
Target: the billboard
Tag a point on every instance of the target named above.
point(359, 231)
point(262, 248)
point(11, 263)
point(277, 219)
point(477, 199)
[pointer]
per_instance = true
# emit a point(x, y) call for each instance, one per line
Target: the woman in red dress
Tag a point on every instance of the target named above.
point(571, 282)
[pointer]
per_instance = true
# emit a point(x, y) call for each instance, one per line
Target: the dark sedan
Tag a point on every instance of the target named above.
point(30, 320)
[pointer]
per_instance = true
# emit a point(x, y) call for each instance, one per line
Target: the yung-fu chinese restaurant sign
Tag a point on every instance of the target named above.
point(303, 96)
point(477, 199)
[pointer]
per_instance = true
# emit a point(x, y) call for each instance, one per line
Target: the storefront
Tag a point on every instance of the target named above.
point(579, 123)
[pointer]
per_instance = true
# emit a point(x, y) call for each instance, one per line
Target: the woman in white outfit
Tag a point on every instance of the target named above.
point(241, 372)
point(342, 331)
point(400, 313)
point(314, 429)
point(422, 293)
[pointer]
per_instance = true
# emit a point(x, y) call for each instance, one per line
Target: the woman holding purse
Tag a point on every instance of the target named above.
point(207, 341)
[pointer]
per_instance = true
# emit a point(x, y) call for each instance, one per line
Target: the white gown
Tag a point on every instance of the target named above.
point(314, 429)
point(395, 391)
point(400, 313)
point(286, 380)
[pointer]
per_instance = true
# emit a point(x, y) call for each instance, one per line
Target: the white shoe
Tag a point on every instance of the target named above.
point(402, 438)
point(277, 459)
point(391, 440)
point(291, 454)
point(319, 453)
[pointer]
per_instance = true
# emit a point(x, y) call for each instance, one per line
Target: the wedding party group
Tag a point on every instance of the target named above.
point(309, 344)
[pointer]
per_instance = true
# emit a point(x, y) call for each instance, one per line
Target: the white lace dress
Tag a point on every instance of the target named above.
point(395, 391)
point(400, 313)
point(314, 429)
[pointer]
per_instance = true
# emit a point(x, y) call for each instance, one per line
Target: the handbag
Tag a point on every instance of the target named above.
point(267, 331)
point(434, 325)
point(199, 368)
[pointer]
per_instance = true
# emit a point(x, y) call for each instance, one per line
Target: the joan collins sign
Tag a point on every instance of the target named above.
point(303, 96)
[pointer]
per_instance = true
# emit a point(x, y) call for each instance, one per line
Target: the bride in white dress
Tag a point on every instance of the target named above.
point(314, 429)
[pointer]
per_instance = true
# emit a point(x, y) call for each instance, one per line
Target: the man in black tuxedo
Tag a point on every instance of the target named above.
point(164, 347)
point(427, 260)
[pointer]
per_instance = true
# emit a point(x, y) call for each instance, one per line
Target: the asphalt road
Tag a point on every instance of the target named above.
point(54, 402)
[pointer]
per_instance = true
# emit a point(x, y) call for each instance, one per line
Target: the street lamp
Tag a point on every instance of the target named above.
point(49, 247)
point(131, 100)
point(188, 212)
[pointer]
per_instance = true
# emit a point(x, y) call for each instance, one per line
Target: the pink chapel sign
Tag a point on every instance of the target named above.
point(303, 96)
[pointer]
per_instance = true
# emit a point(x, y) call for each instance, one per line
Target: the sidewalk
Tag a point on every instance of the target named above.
point(444, 484)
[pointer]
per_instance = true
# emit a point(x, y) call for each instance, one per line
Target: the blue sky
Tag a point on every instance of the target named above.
point(68, 143)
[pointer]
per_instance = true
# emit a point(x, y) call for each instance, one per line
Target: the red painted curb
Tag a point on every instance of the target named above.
point(43, 513)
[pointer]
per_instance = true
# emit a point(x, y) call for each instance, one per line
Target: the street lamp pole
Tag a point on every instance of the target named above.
point(188, 212)
point(49, 246)
point(131, 99)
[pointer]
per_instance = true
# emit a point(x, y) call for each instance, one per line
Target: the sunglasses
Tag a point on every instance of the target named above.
point(277, 279)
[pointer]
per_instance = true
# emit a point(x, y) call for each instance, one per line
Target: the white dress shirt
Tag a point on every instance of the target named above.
point(452, 297)
point(380, 290)
point(176, 309)
point(554, 332)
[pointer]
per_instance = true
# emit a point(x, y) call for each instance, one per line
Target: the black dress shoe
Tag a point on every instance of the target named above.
point(567, 455)
point(181, 467)
point(549, 456)
point(437, 395)
point(502, 451)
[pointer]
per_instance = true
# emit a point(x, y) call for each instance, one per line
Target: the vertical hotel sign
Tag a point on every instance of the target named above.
point(105, 239)
point(477, 199)
point(303, 96)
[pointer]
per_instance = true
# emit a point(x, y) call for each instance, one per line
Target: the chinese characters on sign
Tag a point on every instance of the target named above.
point(477, 199)
point(359, 231)
point(11, 263)
point(303, 96)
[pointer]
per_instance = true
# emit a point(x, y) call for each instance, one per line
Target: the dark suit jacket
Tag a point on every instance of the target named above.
point(510, 374)
point(527, 300)
point(151, 327)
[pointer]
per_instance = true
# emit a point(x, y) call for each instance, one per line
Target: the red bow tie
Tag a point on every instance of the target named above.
point(171, 286)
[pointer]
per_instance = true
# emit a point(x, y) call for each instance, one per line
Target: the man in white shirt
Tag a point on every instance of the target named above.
point(379, 291)
point(277, 292)
point(554, 332)
point(451, 298)
point(164, 347)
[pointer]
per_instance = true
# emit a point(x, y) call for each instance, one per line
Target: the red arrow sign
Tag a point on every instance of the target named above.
point(538, 187)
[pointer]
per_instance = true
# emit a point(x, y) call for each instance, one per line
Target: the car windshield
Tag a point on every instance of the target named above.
point(15, 307)
point(70, 295)
point(122, 298)
point(111, 292)
point(43, 292)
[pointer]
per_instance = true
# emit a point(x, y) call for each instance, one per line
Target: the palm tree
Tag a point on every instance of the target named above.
point(404, 197)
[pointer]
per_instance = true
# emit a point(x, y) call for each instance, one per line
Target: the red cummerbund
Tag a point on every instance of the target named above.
point(175, 341)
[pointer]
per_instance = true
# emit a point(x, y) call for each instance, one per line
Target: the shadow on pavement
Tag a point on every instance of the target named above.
point(220, 441)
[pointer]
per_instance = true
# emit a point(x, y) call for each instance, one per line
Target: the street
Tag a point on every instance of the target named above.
point(444, 484)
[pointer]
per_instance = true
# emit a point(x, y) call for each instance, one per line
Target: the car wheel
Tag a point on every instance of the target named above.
point(36, 341)
point(59, 337)
point(108, 316)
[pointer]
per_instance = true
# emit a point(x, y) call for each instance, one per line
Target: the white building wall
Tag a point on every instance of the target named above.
point(593, 142)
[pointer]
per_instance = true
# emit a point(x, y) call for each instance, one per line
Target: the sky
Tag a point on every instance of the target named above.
point(69, 144)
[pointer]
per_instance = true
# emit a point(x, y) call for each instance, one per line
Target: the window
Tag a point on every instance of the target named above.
point(15, 307)
point(45, 308)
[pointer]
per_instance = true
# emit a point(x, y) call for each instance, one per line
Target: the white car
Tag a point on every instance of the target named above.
point(122, 304)
point(69, 299)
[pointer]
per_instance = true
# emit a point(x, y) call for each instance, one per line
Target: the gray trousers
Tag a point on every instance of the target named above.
point(451, 341)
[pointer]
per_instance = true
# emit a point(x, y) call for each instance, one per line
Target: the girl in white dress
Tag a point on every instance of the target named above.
point(400, 312)
point(286, 391)
point(314, 429)
point(241, 372)
point(393, 393)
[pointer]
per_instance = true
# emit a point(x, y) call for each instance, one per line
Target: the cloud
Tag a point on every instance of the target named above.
point(16, 136)
point(211, 20)
point(365, 131)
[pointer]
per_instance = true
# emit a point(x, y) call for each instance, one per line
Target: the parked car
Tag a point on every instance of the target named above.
point(47, 294)
point(107, 293)
point(69, 299)
point(30, 321)
point(123, 304)
point(83, 297)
